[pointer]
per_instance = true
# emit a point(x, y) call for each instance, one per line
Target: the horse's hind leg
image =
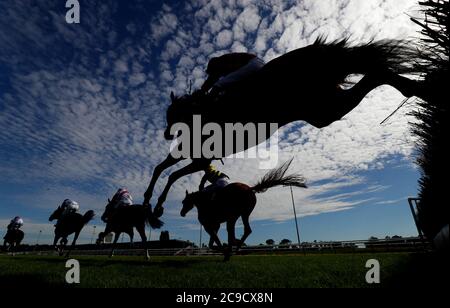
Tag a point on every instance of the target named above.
point(141, 231)
point(247, 231)
point(131, 235)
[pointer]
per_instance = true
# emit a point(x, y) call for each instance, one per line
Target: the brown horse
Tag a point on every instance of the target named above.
point(234, 201)
point(121, 219)
point(66, 225)
point(304, 84)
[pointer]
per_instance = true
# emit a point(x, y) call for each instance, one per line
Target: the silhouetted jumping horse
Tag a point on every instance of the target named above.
point(124, 219)
point(12, 240)
point(67, 225)
point(234, 201)
point(304, 84)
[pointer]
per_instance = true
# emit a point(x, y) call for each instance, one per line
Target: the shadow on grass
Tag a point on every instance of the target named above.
point(28, 280)
point(419, 270)
point(104, 262)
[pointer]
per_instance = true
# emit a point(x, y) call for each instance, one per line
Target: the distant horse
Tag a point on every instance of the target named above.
point(124, 219)
point(12, 239)
point(304, 84)
point(66, 225)
point(234, 201)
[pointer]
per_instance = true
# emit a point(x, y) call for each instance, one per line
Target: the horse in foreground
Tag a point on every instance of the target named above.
point(124, 219)
point(67, 225)
point(234, 201)
point(304, 84)
point(12, 240)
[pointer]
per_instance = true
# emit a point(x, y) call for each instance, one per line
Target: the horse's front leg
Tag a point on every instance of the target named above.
point(55, 242)
point(168, 162)
point(231, 224)
point(141, 231)
point(213, 237)
point(116, 238)
point(73, 243)
point(194, 166)
point(62, 245)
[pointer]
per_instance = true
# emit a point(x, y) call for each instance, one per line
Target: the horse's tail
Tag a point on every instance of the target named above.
point(154, 221)
point(88, 216)
point(397, 56)
point(277, 177)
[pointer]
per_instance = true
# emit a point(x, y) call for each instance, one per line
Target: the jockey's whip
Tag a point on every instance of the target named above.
point(397, 109)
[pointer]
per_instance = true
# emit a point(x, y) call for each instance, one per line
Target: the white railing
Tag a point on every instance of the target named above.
point(406, 244)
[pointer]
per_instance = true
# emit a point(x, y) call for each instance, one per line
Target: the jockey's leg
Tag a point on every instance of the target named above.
point(194, 166)
point(247, 70)
point(168, 162)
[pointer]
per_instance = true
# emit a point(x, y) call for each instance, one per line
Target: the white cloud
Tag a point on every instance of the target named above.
point(121, 66)
point(224, 38)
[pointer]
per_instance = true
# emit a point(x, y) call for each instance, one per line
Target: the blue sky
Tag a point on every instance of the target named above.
point(82, 112)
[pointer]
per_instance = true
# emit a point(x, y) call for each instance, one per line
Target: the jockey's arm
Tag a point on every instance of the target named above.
point(207, 85)
point(203, 182)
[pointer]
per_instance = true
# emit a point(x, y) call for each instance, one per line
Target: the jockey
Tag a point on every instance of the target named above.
point(15, 224)
point(216, 178)
point(69, 207)
point(122, 198)
point(227, 70)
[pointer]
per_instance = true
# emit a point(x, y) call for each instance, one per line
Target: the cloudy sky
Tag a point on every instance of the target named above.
point(82, 112)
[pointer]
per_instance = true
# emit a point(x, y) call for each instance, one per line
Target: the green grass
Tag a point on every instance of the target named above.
point(327, 270)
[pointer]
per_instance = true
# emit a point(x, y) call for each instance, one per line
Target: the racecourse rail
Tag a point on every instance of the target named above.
point(410, 244)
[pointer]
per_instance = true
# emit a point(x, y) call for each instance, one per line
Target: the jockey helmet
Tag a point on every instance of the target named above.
point(213, 174)
point(18, 221)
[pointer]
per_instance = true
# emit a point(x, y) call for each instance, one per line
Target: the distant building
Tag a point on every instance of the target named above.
point(164, 237)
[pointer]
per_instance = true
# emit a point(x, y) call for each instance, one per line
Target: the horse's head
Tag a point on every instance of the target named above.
point(109, 209)
point(56, 214)
point(179, 111)
point(188, 203)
